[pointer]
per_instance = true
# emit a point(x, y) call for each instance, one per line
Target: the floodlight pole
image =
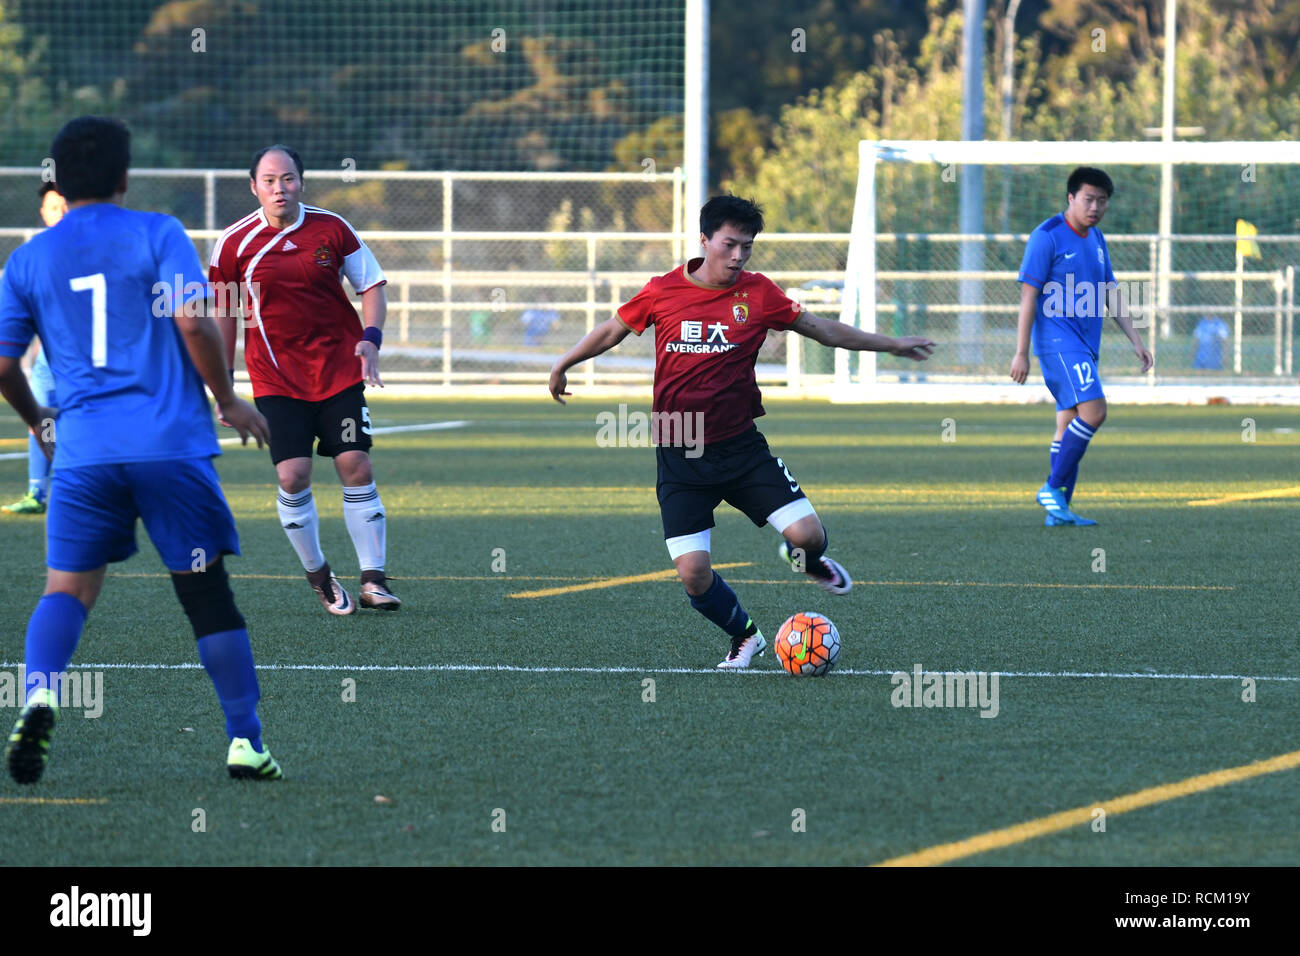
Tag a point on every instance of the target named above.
point(970, 325)
point(1167, 173)
point(695, 138)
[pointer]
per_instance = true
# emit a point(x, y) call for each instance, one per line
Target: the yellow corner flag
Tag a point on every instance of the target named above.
point(1247, 248)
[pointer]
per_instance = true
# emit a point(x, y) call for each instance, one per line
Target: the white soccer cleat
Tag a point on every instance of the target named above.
point(839, 582)
point(375, 594)
point(744, 650)
point(332, 595)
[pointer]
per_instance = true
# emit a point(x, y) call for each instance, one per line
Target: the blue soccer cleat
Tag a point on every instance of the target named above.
point(1058, 512)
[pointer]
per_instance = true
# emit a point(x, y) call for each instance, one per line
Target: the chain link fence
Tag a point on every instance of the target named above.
point(492, 276)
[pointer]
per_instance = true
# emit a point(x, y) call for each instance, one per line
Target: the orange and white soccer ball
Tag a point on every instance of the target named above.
point(808, 645)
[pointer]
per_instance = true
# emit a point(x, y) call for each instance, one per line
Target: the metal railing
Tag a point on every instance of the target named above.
point(495, 304)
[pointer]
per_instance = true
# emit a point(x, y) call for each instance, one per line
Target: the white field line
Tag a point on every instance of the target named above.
point(387, 430)
point(517, 669)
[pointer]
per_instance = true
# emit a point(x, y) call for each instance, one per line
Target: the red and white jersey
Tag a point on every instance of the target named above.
point(706, 343)
point(302, 330)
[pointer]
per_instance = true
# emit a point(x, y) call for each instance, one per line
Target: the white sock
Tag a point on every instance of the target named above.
point(364, 514)
point(298, 518)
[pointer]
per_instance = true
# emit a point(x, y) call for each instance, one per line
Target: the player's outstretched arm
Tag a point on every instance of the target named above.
point(374, 310)
point(837, 335)
point(1119, 312)
point(18, 393)
point(203, 342)
point(1024, 328)
point(600, 339)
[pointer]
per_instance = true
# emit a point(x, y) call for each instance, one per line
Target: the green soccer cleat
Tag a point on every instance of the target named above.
point(245, 763)
point(28, 750)
point(30, 505)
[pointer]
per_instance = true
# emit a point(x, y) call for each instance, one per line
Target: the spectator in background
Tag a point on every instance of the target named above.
point(1208, 338)
point(537, 322)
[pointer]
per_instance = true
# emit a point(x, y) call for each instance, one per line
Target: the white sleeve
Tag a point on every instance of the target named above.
point(362, 269)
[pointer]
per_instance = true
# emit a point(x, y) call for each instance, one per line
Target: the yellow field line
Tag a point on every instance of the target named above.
point(1006, 584)
point(668, 575)
point(1249, 496)
point(55, 801)
point(590, 582)
point(413, 577)
point(998, 839)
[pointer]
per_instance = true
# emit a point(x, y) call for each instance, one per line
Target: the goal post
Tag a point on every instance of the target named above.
point(906, 202)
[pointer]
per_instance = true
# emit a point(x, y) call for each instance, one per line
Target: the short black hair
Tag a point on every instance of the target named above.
point(745, 214)
point(91, 155)
point(1089, 176)
point(291, 153)
point(49, 186)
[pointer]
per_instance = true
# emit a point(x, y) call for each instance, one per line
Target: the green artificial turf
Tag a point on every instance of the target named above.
point(954, 571)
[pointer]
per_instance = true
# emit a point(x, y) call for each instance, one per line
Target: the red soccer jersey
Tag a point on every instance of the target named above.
point(706, 343)
point(302, 329)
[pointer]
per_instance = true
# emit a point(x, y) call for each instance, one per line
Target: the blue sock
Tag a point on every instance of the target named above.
point(38, 470)
point(52, 636)
point(228, 659)
point(721, 606)
point(1073, 444)
point(1070, 478)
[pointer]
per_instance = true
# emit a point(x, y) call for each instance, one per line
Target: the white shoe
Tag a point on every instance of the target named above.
point(375, 594)
point(839, 582)
point(744, 650)
point(332, 595)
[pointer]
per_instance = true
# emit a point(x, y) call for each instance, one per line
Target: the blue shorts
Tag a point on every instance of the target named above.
point(93, 509)
point(1071, 377)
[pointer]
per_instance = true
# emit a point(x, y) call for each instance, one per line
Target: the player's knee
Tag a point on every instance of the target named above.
point(807, 535)
point(354, 468)
point(207, 600)
point(696, 575)
point(293, 479)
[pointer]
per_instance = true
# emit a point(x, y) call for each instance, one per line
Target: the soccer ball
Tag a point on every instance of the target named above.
point(808, 645)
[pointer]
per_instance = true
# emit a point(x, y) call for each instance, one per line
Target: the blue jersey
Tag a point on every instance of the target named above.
point(1073, 275)
point(100, 289)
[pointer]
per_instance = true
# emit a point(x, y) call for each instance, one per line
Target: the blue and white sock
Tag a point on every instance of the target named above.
point(1073, 445)
point(1069, 478)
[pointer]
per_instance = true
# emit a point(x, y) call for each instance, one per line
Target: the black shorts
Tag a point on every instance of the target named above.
point(740, 471)
point(341, 422)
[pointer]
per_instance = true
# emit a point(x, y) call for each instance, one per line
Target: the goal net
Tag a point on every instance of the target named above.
point(1204, 239)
